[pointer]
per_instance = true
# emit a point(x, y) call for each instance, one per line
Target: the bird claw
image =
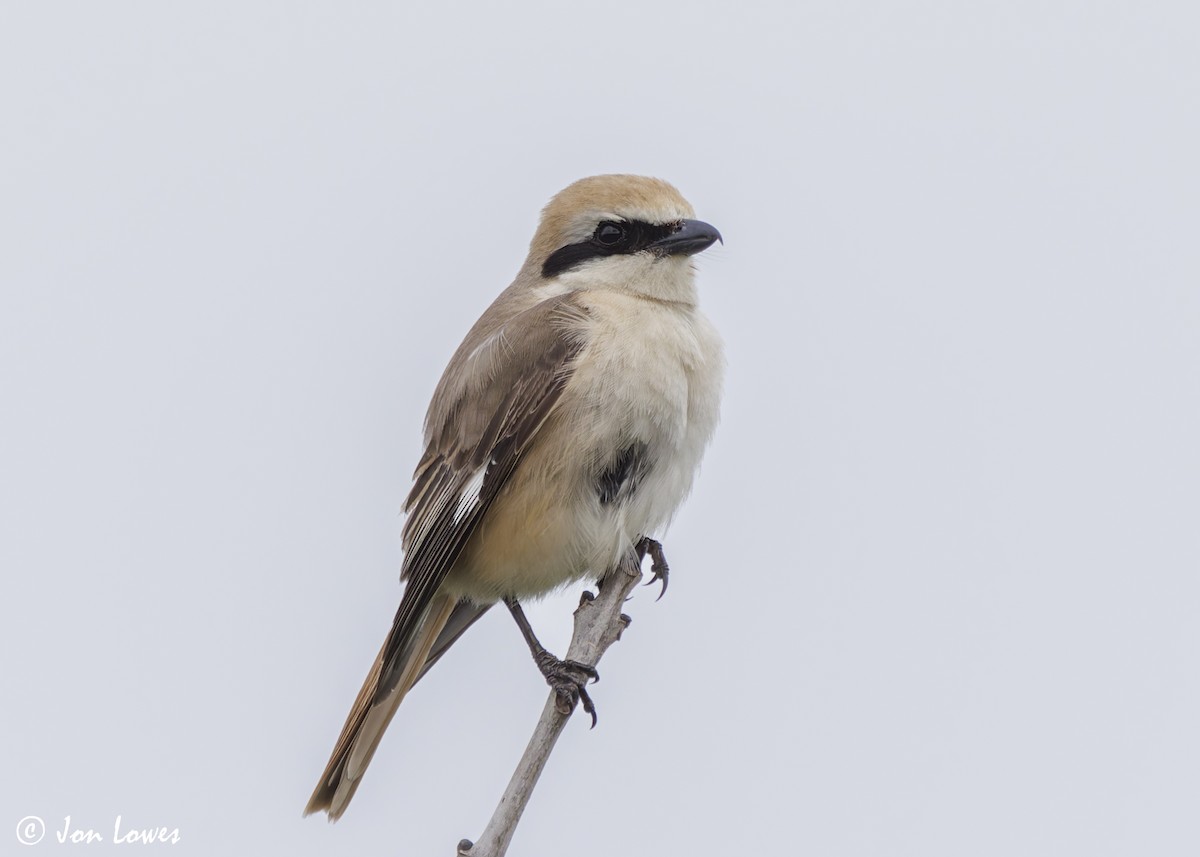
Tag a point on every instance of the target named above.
point(658, 563)
point(564, 702)
point(568, 680)
point(658, 574)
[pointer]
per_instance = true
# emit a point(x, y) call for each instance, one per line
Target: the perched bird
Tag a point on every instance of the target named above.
point(567, 427)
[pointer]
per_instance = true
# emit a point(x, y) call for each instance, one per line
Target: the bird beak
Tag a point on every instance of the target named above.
point(689, 238)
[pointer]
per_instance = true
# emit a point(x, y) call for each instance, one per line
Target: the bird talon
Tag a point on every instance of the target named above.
point(659, 574)
point(588, 706)
point(568, 680)
point(659, 570)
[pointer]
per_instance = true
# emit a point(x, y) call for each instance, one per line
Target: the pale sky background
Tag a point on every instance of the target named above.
point(937, 591)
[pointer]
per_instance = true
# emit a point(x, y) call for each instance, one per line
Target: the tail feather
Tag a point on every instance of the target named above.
point(462, 617)
point(369, 717)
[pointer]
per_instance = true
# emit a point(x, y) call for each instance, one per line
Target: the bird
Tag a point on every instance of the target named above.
point(565, 431)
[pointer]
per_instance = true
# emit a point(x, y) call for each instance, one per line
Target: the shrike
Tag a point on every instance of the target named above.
point(568, 425)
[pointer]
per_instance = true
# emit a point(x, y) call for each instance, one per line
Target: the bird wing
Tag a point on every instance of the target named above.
point(486, 413)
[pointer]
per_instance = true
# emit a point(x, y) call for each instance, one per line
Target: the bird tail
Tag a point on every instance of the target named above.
point(369, 717)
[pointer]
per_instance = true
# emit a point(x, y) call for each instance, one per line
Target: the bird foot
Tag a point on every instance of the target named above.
point(658, 563)
point(568, 680)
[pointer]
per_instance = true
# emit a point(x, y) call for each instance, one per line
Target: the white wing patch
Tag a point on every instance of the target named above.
point(469, 498)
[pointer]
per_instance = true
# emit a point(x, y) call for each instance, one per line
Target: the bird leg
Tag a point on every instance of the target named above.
point(566, 678)
point(658, 562)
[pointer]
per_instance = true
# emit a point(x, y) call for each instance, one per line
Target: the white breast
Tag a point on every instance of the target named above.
point(651, 373)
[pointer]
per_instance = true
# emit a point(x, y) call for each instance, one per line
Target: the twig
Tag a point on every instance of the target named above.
point(598, 624)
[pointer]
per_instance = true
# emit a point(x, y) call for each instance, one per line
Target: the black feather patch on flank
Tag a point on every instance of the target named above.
point(621, 479)
point(611, 238)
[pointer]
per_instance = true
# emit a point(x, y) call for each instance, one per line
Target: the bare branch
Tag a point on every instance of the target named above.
point(598, 624)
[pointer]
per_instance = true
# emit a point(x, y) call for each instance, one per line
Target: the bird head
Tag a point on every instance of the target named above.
point(621, 233)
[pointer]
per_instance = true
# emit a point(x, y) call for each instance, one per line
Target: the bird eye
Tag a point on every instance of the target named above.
point(609, 233)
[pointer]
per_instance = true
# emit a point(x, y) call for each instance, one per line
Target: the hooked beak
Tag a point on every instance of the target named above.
point(688, 238)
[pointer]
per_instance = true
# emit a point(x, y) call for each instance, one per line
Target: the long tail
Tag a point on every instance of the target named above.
point(369, 718)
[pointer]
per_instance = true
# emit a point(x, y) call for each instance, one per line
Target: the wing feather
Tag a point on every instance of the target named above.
point(488, 429)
